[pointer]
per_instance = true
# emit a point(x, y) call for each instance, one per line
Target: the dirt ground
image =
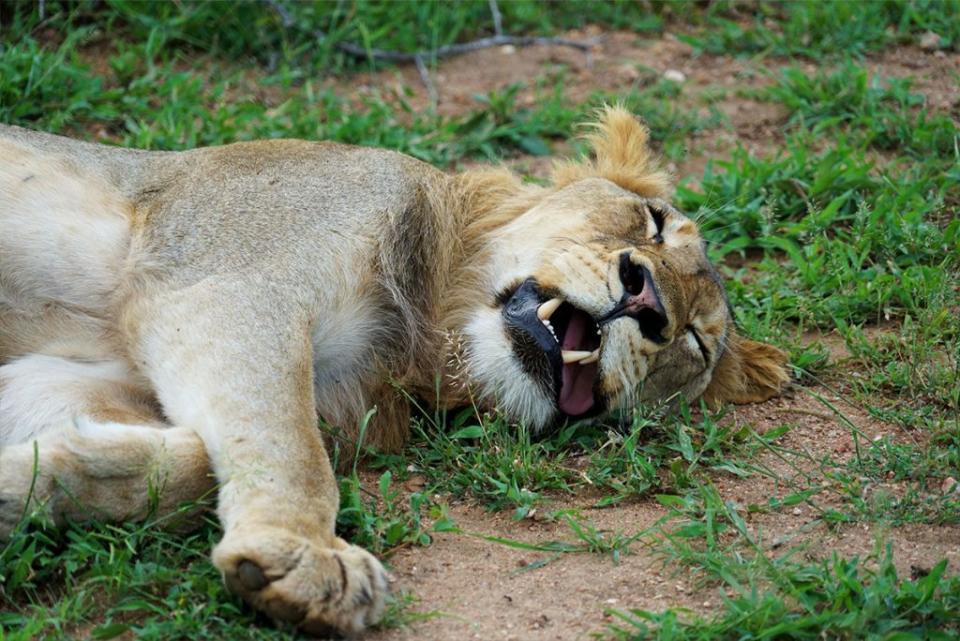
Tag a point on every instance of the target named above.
point(467, 587)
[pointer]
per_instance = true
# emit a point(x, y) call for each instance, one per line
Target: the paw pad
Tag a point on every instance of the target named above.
point(251, 577)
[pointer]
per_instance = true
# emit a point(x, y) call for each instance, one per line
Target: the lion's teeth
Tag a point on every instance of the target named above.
point(573, 356)
point(593, 358)
point(546, 310)
point(547, 324)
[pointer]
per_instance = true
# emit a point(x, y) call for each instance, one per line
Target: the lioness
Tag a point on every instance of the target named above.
point(168, 315)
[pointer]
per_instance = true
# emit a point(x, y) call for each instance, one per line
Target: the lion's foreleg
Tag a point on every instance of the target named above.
point(238, 369)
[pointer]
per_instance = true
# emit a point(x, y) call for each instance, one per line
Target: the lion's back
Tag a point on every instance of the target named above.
point(223, 208)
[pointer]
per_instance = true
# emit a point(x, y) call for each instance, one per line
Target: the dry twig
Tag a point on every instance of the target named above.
point(419, 58)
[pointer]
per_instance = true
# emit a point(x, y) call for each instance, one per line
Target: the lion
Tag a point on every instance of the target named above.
point(176, 323)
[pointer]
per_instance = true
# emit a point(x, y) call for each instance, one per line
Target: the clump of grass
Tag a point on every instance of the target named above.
point(498, 463)
point(881, 113)
point(769, 592)
point(44, 87)
point(837, 599)
point(137, 578)
point(381, 521)
point(501, 466)
point(818, 30)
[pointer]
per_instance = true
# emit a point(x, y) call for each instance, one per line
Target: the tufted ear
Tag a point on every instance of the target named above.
point(748, 372)
point(621, 155)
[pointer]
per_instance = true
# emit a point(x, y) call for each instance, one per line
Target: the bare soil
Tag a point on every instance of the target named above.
point(467, 587)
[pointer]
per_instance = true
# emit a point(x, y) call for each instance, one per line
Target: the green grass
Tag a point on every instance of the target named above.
point(768, 592)
point(851, 228)
point(148, 102)
point(881, 113)
point(818, 30)
point(501, 467)
point(834, 599)
point(254, 31)
point(848, 238)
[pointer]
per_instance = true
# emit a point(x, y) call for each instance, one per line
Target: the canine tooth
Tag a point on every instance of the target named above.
point(593, 358)
point(574, 356)
point(546, 310)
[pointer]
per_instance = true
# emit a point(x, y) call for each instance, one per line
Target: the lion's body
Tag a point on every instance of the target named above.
point(165, 314)
point(112, 232)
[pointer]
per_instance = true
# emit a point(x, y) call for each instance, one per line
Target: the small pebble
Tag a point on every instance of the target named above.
point(674, 75)
point(629, 72)
point(950, 485)
point(930, 41)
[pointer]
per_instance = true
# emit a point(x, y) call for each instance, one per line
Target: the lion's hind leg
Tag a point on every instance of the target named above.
point(77, 443)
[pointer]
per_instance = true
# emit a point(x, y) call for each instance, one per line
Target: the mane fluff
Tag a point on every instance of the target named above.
point(620, 154)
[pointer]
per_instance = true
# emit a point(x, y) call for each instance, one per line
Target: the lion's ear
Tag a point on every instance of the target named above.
point(621, 155)
point(748, 372)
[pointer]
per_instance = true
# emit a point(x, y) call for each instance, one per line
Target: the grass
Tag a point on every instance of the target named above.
point(145, 100)
point(254, 30)
point(766, 592)
point(848, 231)
point(823, 30)
point(836, 599)
point(882, 113)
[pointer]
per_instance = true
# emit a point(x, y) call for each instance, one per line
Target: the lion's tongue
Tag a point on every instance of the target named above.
point(576, 381)
point(576, 391)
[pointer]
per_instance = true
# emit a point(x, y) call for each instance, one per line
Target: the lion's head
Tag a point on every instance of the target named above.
point(600, 295)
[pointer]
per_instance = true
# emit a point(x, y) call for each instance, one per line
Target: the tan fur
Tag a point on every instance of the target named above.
point(622, 156)
point(168, 315)
point(748, 372)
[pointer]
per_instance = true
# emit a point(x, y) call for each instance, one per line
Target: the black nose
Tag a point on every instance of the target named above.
point(640, 301)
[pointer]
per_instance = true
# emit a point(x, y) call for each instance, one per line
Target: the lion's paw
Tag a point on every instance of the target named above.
point(318, 588)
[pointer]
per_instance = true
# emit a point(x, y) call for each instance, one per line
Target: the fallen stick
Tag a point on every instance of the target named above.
point(419, 58)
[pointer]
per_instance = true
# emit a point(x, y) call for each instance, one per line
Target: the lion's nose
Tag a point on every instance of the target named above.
point(642, 304)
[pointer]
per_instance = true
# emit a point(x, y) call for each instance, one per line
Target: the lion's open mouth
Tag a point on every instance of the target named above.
point(558, 344)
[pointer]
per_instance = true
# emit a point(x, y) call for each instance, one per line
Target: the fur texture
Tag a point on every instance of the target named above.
point(181, 321)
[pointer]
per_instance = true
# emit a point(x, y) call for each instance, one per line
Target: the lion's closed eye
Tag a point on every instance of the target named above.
point(657, 216)
point(699, 344)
